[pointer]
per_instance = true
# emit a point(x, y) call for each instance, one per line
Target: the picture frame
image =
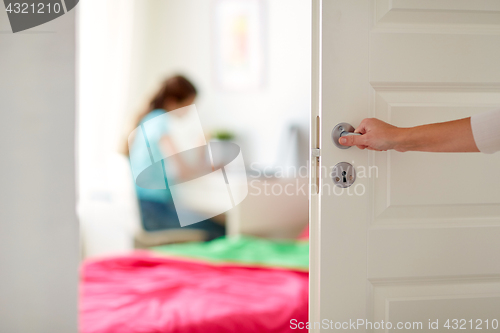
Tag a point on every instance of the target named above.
point(238, 44)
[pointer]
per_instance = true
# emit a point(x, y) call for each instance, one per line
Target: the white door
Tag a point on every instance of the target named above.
point(420, 240)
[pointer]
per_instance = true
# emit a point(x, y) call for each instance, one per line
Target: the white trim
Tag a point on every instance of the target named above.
point(314, 199)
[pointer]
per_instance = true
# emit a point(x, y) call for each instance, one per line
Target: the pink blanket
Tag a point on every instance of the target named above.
point(144, 293)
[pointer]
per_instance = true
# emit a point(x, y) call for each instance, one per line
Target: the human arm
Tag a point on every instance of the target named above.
point(451, 136)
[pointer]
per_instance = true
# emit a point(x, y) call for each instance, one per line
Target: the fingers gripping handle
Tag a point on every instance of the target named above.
point(348, 133)
point(340, 130)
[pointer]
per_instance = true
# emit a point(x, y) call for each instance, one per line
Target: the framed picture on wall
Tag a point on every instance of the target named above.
point(238, 44)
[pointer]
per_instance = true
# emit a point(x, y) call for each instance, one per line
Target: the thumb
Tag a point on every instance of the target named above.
point(351, 140)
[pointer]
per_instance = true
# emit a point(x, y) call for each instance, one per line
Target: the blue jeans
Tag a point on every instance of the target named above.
point(162, 216)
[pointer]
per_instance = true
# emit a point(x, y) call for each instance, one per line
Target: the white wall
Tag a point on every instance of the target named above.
point(105, 51)
point(38, 226)
point(175, 36)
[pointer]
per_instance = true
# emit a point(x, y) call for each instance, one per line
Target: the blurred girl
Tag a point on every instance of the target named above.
point(156, 206)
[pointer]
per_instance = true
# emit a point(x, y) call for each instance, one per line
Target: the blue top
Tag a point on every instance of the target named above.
point(142, 157)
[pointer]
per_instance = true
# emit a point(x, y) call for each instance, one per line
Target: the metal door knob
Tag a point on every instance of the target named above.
point(340, 130)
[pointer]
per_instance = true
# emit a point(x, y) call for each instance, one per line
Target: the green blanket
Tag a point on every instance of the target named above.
point(244, 250)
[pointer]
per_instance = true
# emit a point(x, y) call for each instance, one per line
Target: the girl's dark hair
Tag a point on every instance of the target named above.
point(177, 88)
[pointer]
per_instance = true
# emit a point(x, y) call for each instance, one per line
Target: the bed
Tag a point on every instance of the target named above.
point(239, 284)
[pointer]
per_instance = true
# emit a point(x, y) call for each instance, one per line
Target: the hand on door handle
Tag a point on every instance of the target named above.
point(373, 134)
point(344, 136)
point(342, 129)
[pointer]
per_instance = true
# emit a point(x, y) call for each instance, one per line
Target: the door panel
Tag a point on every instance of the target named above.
point(432, 252)
point(454, 299)
point(417, 235)
point(433, 58)
point(438, 12)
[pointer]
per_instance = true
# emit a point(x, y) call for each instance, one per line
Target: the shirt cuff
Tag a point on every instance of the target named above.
point(486, 131)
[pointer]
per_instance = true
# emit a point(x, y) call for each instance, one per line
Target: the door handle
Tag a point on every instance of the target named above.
point(348, 133)
point(340, 130)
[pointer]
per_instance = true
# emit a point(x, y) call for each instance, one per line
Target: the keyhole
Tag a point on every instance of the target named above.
point(343, 176)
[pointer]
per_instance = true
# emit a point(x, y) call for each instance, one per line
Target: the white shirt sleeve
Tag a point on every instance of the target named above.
point(486, 131)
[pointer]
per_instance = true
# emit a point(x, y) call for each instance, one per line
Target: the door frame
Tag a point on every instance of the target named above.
point(315, 167)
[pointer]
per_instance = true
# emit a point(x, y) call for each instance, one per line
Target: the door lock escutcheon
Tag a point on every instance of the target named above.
point(340, 130)
point(343, 174)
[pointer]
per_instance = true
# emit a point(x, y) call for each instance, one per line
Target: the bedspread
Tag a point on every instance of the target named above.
point(147, 292)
